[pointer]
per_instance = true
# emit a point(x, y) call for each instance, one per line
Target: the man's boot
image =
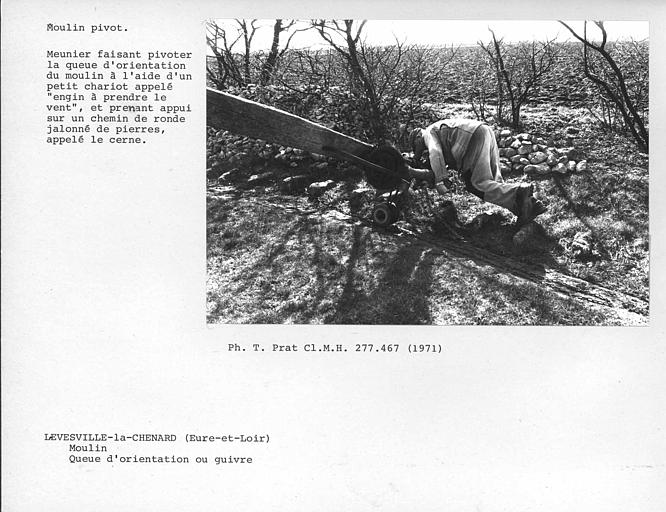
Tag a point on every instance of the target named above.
point(527, 207)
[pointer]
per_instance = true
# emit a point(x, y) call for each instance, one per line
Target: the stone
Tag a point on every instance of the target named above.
point(502, 152)
point(524, 136)
point(224, 190)
point(571, 166)
point(562, 160)
point(229, 175)
point(504, 168)
point(319, 166)
point(525, 149)
point(561, 168)
point(524, 161)
point(505, 133)
point(516, 144)
point(360, 192)
point(258, 179)
point(293, 184)
point(573, 154)
point(517, 167)
point(538, 157)
point(551, 160)
point(581, 166)
point(318, 188)
point(509, 152)
point(582, 245)
point(516, 159)
point(537, 169)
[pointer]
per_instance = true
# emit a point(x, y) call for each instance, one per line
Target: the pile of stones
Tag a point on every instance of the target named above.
point(226, 150)
point(529, 154)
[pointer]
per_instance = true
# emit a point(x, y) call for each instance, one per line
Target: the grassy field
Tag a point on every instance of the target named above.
point(268, 264)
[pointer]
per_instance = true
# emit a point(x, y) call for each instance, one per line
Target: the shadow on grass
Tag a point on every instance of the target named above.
point(578, 210)
point(488, 240)
point(294, 268)
point(400, 295)
point(619, 205)
point(527, 303)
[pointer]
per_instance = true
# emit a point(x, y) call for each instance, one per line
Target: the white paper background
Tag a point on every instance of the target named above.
point(103, 277)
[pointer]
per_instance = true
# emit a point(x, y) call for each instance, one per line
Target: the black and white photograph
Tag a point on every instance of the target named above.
point(427, 172)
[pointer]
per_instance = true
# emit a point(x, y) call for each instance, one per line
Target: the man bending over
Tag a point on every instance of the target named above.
point(470, 147)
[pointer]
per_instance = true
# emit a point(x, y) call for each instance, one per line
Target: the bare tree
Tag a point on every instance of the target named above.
point(275, 52)
point(222, 46)
point(345, 37)
point(237, 63)
point(309, 68)
point(494, 53)
point(247, 32)
point(611, 81)
point(384, 78)
point(477, 79)
point(520, 69)
point(417, 80)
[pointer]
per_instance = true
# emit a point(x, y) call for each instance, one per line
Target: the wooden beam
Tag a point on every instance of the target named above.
point(244, 117)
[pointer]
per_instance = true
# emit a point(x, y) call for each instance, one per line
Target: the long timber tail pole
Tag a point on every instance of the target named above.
point(245, 117)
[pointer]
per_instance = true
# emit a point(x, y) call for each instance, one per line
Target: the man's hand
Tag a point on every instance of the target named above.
point(422, 174)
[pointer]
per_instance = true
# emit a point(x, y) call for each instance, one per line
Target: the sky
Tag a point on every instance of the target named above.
point(465, 32)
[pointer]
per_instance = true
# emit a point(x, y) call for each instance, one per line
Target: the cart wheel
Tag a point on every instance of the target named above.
point(382, 215)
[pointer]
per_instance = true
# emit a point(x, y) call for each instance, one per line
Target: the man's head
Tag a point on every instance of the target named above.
point(416, 143)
